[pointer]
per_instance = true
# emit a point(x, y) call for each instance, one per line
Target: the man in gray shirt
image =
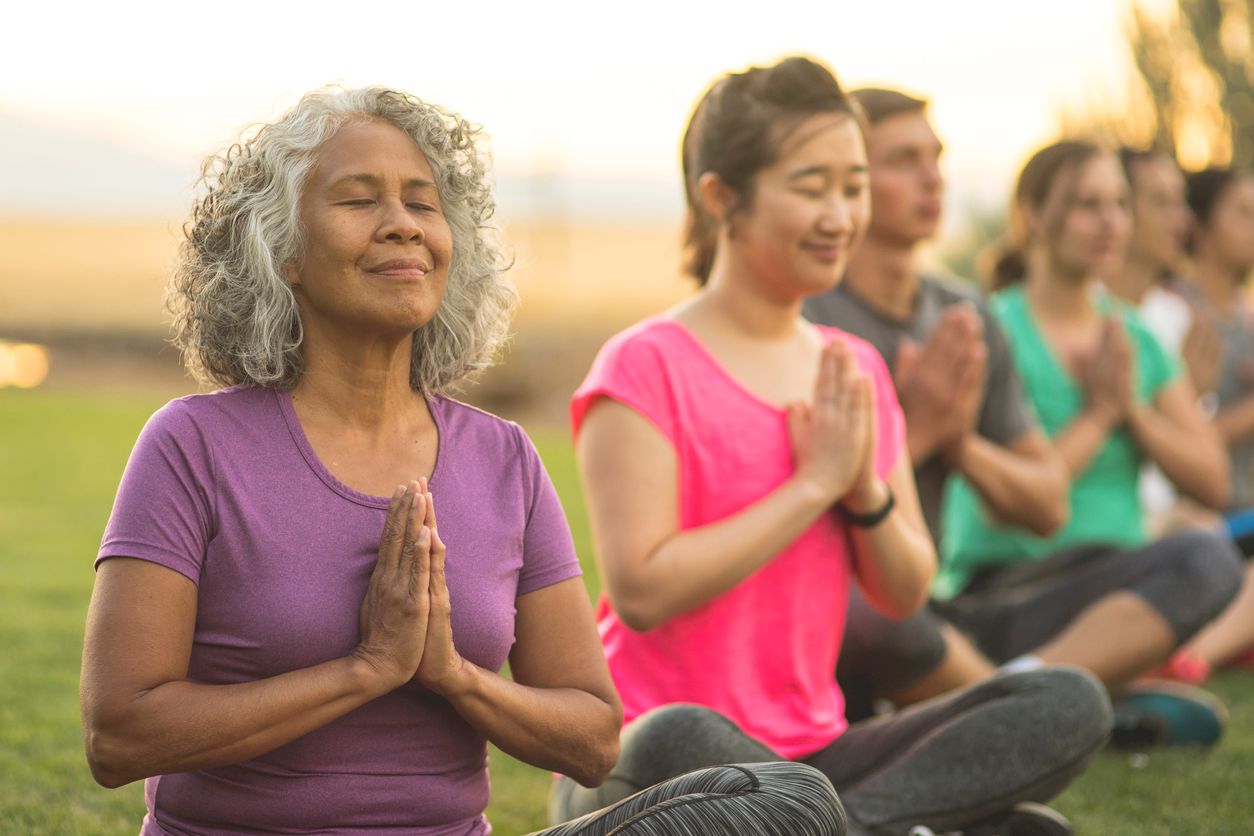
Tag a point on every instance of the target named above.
point(963, 401)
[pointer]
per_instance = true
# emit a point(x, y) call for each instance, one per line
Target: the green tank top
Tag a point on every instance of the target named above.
point(1105, 507)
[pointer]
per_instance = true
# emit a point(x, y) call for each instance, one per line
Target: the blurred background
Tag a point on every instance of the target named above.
point(106, 109)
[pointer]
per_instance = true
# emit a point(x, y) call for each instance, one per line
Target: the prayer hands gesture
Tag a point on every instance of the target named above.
point(405, 622)
point(1106, 375)
point(941, 385)
point(834, 437)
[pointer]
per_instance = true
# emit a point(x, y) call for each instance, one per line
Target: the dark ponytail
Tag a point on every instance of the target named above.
point(737, 129)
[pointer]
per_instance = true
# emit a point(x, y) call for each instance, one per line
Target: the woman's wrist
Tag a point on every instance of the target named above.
point(868, 512)
point(868, 497)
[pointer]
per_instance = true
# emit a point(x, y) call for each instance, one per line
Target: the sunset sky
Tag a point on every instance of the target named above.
point(582, 93)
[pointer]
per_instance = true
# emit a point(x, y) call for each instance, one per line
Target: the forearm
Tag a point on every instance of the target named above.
point(1027, 491)
point(695, 566)
point(1082, 439)
point(895, 560)
point(1195, 463)
point(564, 730)
point(183, 726)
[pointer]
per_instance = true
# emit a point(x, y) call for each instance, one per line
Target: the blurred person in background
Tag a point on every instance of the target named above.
point(1148, 279)
point(283, 635)
point(744, 468)
point(1221, 249)
point(1098, 593)
point(960, 392)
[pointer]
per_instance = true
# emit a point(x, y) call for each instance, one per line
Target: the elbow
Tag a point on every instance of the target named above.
point(1052, 517)
point(1214, 490)
point(601, 759)
point(601, 752)
point(1216, 494)
point(639, 611)
point(638, 619)
point(109, 759)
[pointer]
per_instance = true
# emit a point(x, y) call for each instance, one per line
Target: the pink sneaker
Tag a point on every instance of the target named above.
point(1185, 667)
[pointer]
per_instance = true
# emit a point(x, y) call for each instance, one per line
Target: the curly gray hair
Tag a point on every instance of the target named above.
point(235, 316)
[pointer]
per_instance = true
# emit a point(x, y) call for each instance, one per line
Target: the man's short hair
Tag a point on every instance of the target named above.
point(879, 104)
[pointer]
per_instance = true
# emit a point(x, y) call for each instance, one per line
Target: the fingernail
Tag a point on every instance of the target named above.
point(399, 492)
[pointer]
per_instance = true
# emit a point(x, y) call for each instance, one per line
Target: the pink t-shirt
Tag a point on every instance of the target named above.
point(763, 654)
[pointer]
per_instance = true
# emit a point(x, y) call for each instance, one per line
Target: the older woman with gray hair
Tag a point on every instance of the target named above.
point(284, 636)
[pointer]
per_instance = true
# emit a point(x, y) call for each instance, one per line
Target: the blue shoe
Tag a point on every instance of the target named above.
point(1154, 713)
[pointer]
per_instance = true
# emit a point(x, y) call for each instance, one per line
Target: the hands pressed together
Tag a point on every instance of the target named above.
point(834, 437)
point(405, 619)
point(941, 384)
point(1106, 374)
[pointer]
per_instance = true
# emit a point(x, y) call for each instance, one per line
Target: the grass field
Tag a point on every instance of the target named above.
point(60, 458)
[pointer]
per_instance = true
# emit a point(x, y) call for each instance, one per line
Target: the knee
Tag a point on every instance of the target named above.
point(1210, 569)
point(1071, 705)
point(662, 726)
point(731, 800)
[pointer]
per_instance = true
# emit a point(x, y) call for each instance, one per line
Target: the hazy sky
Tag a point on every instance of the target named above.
point(582, 90)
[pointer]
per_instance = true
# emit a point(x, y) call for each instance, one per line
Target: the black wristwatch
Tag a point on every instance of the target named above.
point(872, 518)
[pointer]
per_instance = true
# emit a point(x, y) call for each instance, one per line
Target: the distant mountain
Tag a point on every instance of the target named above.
point(50, 170)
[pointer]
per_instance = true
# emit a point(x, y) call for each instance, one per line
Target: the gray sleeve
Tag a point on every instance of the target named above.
point(1005, 415)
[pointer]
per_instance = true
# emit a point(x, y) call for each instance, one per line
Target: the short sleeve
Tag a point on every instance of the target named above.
point(890, 421)
point(631, 369)
point(1005, 416)
point(548, 552)
point(164, 509)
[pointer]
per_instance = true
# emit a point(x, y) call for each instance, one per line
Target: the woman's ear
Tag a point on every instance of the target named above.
point(717, 198)
point(1031, 222)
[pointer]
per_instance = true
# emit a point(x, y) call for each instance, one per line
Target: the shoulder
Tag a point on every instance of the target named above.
point(951, 291)
point(470, 428)
point(657, 336)
point(1132, 319)
point(210, 413)
point(640, 358)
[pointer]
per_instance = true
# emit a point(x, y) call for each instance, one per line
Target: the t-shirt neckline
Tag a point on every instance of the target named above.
point(702, 351)
point(284, 400)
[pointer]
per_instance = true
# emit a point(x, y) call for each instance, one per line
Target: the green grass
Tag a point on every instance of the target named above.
point(60, 458)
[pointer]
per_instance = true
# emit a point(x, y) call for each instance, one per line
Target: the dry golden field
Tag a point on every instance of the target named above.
point(109, 275)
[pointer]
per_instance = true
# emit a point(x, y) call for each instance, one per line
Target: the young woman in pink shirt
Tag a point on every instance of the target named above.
point(744, 467)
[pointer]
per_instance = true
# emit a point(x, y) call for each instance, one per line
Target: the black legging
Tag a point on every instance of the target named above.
point(947, 763)
point(1188, 578)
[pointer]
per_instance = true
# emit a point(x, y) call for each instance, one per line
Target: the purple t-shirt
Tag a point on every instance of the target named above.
point(225, 489)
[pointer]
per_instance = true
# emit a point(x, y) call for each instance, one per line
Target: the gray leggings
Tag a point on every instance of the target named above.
point(1187, 578)
point(948, 763)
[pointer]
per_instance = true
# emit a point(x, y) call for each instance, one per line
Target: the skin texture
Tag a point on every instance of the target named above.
point(793, 239)
point(1074, 238)
point(141, 715)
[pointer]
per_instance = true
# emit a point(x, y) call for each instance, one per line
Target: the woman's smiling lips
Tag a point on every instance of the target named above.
point(830, 252)
point(402, 267)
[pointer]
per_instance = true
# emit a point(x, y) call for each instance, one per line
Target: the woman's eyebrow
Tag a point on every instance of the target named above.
point(375, 180)
point(824, 171)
